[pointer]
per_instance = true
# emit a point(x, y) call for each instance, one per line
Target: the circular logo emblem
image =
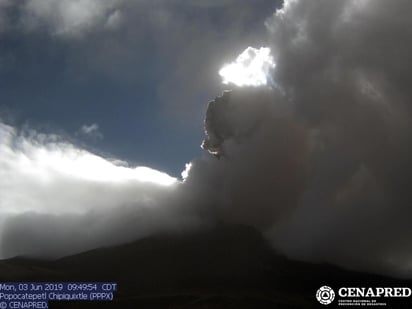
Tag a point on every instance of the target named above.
point(325, 295)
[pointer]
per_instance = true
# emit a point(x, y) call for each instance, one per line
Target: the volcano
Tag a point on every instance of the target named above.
point(227, 266)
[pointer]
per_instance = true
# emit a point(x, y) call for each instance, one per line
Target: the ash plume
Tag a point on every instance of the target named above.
point(321, 163)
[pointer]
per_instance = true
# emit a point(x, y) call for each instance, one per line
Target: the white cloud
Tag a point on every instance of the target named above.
point(88, 129)
point(74, 192)
point(91, 131)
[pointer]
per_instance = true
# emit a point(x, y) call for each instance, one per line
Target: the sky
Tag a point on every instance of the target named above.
point(107, 102)
point(141, 72)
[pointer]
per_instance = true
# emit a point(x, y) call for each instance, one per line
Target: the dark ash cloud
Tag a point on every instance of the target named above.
point(322, 162)
point(342, 69)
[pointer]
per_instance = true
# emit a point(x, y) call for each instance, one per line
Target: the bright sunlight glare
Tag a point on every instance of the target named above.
point(251, 68)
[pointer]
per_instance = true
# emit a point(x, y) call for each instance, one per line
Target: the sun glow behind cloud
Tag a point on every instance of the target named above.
point(251, 68)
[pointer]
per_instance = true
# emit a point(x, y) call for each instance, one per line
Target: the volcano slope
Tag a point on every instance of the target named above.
point(227, 266)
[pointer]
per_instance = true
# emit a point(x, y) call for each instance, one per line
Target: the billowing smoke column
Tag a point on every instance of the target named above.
point(322, 163)
point(258, 169)
point(319, 160)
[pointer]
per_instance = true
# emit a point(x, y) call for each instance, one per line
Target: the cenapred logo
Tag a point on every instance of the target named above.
point(325, 295)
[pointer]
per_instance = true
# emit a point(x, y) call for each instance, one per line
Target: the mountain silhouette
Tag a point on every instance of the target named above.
point(228, 266)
